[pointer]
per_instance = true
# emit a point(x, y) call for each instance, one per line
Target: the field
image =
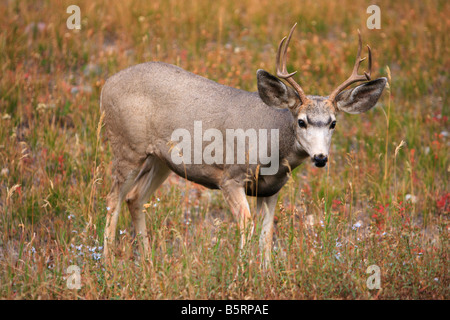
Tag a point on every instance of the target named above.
point(383, 199)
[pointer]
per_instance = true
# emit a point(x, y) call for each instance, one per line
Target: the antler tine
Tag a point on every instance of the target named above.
point(355, 77)
point(370, 64)
point(282, 69)
point(281, 58)
point(281, 61)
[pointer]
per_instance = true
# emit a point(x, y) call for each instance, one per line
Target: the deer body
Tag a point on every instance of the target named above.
point(145, 104)
point(142, 122)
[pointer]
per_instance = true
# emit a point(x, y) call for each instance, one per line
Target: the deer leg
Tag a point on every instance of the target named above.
point(234, 195)
point(153, 173)
point(266, 205)
point(113, 202)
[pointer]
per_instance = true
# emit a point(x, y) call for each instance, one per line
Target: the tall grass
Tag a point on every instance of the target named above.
point(376, 203)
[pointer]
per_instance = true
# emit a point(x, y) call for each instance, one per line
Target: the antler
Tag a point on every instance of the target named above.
point(355, 77)
point(282, 70)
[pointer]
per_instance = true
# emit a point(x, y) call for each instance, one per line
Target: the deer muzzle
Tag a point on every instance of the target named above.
point(320, 160)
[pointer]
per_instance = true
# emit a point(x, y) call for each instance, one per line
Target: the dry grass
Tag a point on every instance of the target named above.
point(379, 201)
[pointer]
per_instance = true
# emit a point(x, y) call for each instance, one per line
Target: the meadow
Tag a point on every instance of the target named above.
point(383, 199)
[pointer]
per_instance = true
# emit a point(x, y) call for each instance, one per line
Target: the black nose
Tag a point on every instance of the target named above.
point(320, 160)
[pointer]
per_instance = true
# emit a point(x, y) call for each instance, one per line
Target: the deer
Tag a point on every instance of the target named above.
point(144, 104)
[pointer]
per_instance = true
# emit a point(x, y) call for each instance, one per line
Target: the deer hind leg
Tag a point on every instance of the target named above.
point(123, 180)
point(153, 173)
point(113, 204)
point(234, 195)
point(266, 205)
point(112, 214)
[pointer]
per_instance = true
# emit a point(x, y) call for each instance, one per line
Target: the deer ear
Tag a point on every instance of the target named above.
point(361, 98)
point(274, 92)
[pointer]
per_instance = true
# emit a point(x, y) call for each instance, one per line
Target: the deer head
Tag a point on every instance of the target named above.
point(315, 116)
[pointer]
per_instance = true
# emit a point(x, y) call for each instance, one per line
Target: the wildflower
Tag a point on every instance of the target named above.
point(443, 202)
point(338, 256)
point(5, 172)
point(336, 203)
point(96, 256)
point(41, 107)
point(411, 197)
point(357, 225)
point(33, 250)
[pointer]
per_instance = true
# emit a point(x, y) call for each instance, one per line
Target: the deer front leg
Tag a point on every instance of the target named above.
point(266, 206)
point(234, 195)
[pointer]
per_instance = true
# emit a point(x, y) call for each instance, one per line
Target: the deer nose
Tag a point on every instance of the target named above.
point(320, 160)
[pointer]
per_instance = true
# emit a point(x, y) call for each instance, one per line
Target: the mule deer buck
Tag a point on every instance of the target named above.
point(146, 103)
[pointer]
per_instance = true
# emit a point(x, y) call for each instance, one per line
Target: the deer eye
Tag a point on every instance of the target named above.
point(333, 125)
point(301, 123)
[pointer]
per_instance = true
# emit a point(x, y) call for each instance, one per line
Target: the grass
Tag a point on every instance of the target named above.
point(383, 199)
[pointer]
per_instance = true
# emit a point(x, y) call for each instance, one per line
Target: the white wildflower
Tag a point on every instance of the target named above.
point(357, 225)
